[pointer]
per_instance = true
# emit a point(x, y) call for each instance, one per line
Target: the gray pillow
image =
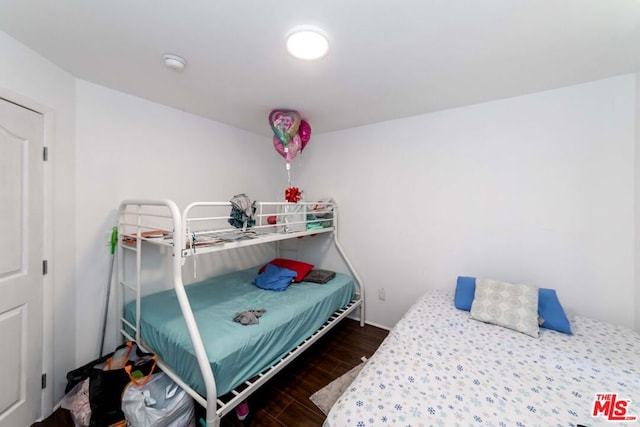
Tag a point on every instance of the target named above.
point(319, 276)
point(507, 305)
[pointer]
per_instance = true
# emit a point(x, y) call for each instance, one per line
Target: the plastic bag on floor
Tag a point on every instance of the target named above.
point(160, 402)
point(77, 402)
point(107, 377)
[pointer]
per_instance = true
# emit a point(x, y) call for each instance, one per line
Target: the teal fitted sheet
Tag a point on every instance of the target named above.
point(236, 352)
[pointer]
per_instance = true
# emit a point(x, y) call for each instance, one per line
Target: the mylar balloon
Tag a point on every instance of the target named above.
point(285, 124)
point(294, 148)
point(305, 133)
point(277, 144)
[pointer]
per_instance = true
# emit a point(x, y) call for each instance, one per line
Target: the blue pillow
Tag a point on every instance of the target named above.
point(551, 311)
point(465, 291)
point(549, 307)
point(275, 278)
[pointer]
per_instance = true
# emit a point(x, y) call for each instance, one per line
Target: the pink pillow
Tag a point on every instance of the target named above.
point(301, 268)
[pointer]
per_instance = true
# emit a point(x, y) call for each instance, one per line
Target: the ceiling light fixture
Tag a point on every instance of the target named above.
point(174, 62)
point(307, 43)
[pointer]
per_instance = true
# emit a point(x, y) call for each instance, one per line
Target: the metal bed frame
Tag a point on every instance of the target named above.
point(138, 220)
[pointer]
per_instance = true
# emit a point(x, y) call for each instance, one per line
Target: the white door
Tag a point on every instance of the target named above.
point(21, 249)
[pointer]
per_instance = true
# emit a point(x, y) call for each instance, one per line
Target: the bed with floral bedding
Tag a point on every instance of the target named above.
point(441, 367)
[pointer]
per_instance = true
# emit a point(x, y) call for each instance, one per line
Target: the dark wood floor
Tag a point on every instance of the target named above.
point(284, 400)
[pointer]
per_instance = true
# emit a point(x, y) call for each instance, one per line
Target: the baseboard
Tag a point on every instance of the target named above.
point(386, 328)
point(357, 319)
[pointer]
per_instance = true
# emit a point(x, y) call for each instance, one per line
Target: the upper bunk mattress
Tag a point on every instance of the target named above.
point(236, 352)
point(438, 367)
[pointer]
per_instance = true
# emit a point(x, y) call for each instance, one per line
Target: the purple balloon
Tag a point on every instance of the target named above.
point(304, 130)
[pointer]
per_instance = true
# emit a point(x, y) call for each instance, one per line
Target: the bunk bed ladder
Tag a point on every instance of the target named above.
point(126, 328)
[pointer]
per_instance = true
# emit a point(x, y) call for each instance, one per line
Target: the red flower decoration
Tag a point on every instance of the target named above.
point(292, 194)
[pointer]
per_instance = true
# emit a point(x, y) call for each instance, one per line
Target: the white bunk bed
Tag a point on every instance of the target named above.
point(203, 228)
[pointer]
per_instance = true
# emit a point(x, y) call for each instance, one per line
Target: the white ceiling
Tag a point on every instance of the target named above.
point(387, 58)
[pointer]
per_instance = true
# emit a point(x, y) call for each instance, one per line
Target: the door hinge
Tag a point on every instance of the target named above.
point(44, 381)
point(45, 154)
point(45, 267)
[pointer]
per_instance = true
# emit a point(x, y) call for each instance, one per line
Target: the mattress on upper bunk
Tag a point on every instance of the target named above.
point(438, 367)
point(236, 352)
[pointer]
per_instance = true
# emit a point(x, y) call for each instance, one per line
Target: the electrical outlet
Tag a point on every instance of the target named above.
point(382, 296)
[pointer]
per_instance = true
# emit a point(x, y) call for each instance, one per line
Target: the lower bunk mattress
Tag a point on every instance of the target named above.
point(236, 352)
point(438, 367)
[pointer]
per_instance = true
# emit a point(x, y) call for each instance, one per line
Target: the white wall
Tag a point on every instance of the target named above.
point(536, 189)
point(128, 147)
point(636, 204)
point(28, 79)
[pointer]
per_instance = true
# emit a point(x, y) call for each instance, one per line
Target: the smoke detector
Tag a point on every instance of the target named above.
point(174, 62)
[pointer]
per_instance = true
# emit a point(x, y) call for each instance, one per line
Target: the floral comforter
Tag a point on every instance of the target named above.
point(437, 367)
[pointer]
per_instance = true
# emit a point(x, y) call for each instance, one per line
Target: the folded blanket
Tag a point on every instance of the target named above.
point(319, 276)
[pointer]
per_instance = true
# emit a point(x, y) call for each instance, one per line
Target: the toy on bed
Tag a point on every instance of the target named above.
point(487, 363)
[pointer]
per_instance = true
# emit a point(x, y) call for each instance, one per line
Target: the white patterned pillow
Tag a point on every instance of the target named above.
point(508, 305)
